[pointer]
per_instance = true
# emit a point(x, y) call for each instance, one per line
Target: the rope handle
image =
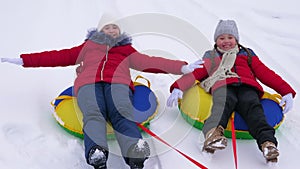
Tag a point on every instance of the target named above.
point(275, 97)
point(61, 97)
point(141, 77)
point(163, 141)
point(233, 139)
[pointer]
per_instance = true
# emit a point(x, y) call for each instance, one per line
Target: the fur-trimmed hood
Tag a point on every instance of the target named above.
point(102, 38)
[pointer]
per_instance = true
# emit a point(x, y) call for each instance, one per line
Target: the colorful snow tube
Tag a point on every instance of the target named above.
point(69, 117)
point(196, 104)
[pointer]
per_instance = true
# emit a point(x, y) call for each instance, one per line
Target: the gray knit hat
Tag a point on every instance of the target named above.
point(226, 27)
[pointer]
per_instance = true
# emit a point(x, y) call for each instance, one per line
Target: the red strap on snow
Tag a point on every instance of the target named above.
point(158, 138)
point(233, 138)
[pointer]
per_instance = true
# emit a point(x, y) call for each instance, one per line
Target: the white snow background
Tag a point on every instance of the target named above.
point(30, 137)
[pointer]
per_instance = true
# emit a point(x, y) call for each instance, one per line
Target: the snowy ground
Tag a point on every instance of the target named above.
point(29, 135)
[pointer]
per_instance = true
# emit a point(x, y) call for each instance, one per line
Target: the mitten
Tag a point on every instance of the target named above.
point(287, 101)
point(191, 67)
point(174, 97)
point(17, 61)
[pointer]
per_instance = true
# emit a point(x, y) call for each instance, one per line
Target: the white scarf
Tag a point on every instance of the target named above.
point(224, 69)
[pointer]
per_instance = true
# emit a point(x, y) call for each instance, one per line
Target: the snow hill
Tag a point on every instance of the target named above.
point(29, 135)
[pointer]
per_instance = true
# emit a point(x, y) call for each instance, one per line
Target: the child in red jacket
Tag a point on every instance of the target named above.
point(104, 88)
point(230, 74)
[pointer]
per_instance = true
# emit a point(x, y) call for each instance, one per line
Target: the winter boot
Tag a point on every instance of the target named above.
point(98, 157)
point(214, 140)
point(270, 151)
point(137, 154)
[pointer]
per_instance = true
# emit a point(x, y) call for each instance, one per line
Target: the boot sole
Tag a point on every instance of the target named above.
point(274, 160)
point(219, 144)
point(272, 157)
point(101, 166)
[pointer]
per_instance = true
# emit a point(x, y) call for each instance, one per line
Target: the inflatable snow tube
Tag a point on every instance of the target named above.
point(69, 117)
point(196, 104)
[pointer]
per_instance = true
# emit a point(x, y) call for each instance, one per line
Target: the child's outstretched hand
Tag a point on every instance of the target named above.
point(17, 61)
point(173, 99)
point(191, 67)
point(287, 101)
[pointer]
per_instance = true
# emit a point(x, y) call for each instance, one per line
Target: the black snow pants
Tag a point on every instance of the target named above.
point(246, 101)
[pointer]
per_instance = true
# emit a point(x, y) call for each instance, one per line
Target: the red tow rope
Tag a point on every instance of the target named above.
point(161, 140)
point(233, 138)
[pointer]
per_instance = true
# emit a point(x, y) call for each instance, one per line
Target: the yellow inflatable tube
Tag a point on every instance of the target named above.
point(196, 104)
point(69, 117)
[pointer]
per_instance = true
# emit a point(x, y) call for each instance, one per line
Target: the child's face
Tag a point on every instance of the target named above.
point(226, 42)
point(112, 30)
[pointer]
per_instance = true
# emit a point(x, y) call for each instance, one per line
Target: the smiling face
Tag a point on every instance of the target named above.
point(226, 42)
point(111, 29)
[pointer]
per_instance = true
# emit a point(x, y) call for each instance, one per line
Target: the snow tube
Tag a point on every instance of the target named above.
point(69, 117)
point(196, 104)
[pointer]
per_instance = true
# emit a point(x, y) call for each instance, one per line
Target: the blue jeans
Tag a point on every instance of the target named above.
point(104, 102)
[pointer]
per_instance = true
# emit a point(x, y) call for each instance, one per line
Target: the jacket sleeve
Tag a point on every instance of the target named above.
point(64, 57)
point(153, 64)
point(269, 78)
point(187, 81)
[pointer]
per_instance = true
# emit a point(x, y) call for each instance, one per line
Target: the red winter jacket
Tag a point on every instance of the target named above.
point(99, 63)
point(248, 74)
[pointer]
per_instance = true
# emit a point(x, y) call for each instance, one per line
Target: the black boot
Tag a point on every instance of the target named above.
point(137, 154)
point(98, 157)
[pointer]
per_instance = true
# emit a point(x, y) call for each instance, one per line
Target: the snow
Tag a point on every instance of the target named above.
point(29, 134)
point(141, 144)
point(97, 155)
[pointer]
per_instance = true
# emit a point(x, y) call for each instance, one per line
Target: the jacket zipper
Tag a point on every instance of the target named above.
point(106, 58)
